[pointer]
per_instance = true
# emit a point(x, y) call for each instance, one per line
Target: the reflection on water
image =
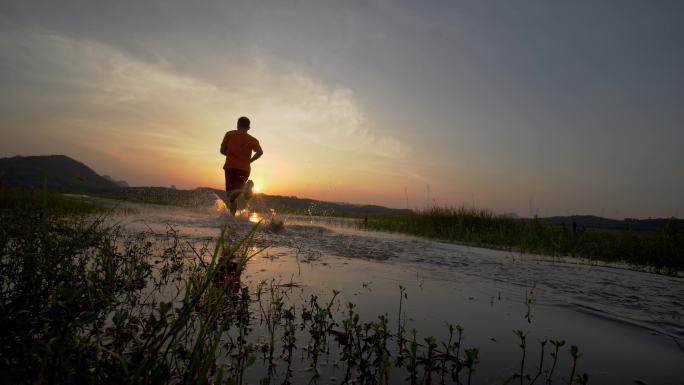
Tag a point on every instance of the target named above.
point(628, 324)
point(255, 217)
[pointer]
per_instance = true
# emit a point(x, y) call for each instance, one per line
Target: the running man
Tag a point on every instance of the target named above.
point(237, 146)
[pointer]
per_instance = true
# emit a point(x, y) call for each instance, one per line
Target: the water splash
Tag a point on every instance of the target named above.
point(220, 205)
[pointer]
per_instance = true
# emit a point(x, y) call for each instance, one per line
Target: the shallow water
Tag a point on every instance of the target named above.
point(628, 325)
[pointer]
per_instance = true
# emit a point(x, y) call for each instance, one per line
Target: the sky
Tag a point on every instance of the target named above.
point(528, 107)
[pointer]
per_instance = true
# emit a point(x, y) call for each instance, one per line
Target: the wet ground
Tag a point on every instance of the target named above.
point(628, 325)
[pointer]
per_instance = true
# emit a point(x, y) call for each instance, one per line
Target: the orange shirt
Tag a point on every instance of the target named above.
point(238, 146)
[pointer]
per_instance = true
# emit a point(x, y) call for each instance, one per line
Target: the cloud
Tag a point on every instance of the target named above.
point(147, 114)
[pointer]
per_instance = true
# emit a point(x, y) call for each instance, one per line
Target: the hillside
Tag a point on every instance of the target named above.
point(62, 172)
point(591, 221)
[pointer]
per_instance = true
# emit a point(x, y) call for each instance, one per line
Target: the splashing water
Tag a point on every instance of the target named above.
point(220, 205)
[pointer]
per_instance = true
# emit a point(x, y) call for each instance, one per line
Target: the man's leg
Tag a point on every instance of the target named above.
point(235, 181)
point(232, 199)
point(234, 194)
point(230, 190)
point(249, 189)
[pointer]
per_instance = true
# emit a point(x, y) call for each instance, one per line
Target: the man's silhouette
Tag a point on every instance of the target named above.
point(238, 146)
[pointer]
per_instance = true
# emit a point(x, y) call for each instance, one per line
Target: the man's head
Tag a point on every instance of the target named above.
point(243, 123)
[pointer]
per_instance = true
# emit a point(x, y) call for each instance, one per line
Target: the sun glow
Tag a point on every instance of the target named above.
point(258, 185)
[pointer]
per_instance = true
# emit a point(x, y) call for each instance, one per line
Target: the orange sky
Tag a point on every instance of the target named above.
point(537, 108)
point(150, 125)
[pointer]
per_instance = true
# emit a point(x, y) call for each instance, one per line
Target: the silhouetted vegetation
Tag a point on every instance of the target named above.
point(659, 249)
point(33, 204)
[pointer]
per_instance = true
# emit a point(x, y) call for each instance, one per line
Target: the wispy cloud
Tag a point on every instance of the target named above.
point(135, 111)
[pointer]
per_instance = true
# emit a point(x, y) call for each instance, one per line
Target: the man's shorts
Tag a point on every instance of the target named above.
point(235, 178)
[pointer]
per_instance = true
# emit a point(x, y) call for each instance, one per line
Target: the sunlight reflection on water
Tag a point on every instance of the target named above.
point(254, 217)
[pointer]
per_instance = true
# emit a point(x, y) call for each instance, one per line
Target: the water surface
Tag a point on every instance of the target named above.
point(628, 325)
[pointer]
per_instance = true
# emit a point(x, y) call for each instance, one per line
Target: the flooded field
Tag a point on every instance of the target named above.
point(628, 325)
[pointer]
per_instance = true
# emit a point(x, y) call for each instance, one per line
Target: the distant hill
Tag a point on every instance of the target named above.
point(592, 221)
point(261, 202)
point(62, 173)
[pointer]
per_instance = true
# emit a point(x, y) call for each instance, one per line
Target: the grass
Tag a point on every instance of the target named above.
point(660, 250)
point(88, 303)
point(157, 196)
point(15, 202)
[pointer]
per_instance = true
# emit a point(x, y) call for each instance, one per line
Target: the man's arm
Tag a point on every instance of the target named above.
point(258, 152)
point(224, 145)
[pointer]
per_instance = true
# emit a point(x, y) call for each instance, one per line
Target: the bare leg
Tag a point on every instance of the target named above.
point(248, 189)
point(232, 200)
